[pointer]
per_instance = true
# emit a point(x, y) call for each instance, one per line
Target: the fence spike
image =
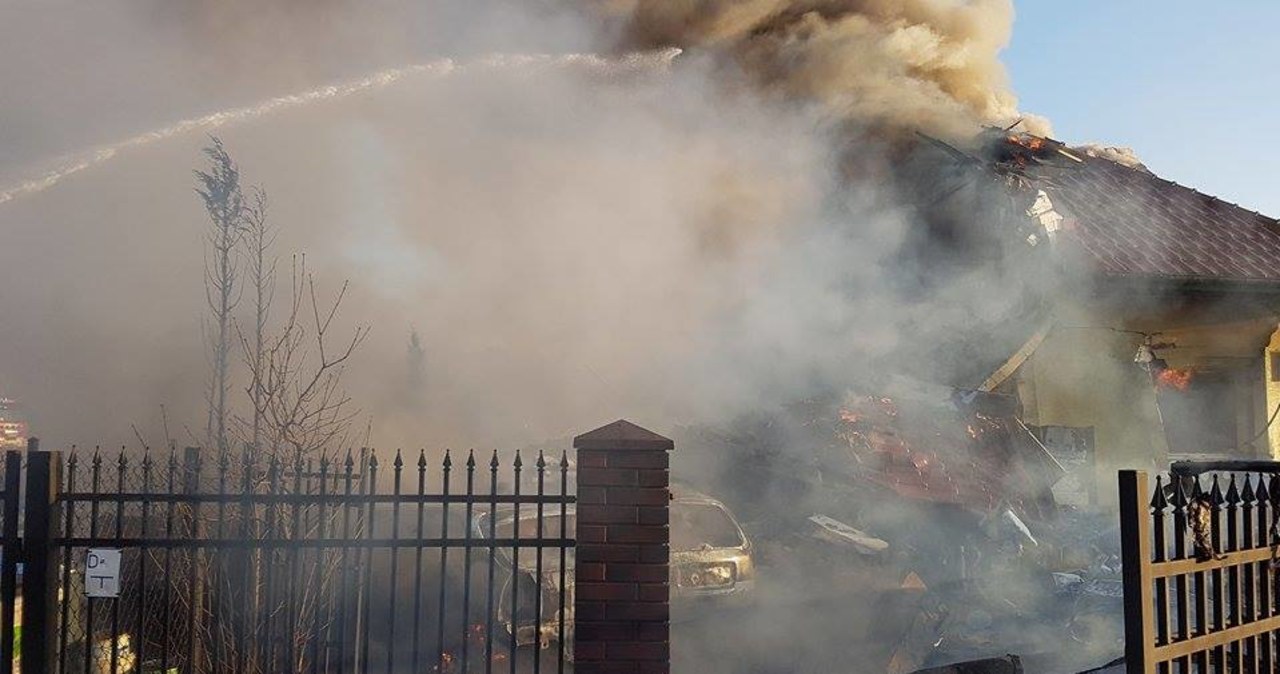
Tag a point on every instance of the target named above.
point(471, 460)
point(1179, 494)
point(493, 463)
point(1233, 493)
point(1215, 493)
point(448, 460)
point(1261, 491)
point(542, 462)
point(564, 460)
point(518, 463)
point(1246, 491)
point(349, 463)
point(373, 459)
point(73, 459)
point(399, 462)
point(1158, 500)
point(1275, 490)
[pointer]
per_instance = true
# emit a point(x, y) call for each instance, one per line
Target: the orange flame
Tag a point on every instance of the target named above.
point(1175, 378)
point(1033, 143)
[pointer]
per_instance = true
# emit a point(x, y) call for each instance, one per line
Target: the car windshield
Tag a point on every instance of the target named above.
point(698, 525)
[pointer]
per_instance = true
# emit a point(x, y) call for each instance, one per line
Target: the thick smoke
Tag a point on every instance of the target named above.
point(930, 65)
point(569, 247)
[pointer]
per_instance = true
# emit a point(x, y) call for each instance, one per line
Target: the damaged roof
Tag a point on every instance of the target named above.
point(1130, 222)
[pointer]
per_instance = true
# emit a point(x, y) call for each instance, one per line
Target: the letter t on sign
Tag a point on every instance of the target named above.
point(102, 572)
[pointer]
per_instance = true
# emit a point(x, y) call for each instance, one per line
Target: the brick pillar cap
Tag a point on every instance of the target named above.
point(622, 435)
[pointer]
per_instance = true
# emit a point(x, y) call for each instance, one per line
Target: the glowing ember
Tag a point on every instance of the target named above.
point(1175, 378)
point(447, 661)
point(1033, 143)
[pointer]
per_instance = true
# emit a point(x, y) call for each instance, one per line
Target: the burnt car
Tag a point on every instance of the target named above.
point(712, 561)
point(711, 557)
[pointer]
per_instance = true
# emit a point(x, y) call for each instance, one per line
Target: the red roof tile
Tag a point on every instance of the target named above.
point(1133, 223)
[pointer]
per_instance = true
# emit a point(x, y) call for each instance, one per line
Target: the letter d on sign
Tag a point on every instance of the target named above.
point(102, 572)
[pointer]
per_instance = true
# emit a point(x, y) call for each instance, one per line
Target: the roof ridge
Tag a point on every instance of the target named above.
point(1211, 197)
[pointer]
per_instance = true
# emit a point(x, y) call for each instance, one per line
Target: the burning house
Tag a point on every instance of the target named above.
point(1160, 337)
point(1139, 323)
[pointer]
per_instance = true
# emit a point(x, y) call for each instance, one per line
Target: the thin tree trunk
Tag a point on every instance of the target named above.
point(224, 327)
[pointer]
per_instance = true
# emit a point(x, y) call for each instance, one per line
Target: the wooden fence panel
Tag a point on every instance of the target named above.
point(1200, 592)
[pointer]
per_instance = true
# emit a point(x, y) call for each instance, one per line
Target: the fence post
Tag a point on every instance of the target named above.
point(39, 588)
point(10, 559)
point(622, 608)
point(1135, 552)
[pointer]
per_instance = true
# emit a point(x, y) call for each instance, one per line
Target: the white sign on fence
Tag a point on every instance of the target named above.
point(102, 572)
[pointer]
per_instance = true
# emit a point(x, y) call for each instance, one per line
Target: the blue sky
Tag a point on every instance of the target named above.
point(1191, 86)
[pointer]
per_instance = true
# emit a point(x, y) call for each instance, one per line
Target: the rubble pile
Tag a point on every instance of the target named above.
point(943, 509)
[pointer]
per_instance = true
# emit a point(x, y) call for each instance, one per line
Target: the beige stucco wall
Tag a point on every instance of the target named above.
point(1087, 377)
point(1084, 375)
point(1272, 389)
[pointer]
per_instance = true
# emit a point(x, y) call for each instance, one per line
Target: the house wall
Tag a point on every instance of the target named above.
point(1271, 368)
point(1084, 375)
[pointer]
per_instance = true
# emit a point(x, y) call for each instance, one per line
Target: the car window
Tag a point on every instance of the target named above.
point(695, 525)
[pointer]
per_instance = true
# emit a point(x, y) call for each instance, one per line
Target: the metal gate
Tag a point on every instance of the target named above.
point(344, 564)
point(1199, 561)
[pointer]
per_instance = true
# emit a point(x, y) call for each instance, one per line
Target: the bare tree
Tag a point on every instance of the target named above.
point(219, 188)
point(259, 239)
point(297, 379)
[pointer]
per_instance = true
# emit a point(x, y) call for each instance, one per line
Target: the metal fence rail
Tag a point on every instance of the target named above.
point(350, 565)
point(1199, 565)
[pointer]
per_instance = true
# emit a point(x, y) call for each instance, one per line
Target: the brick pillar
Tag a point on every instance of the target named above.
point(622, 603)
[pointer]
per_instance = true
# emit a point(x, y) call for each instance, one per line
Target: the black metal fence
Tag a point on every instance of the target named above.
point(235, 564)
point(10, 552)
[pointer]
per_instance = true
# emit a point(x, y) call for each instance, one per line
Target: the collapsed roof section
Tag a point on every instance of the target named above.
point(973, 452)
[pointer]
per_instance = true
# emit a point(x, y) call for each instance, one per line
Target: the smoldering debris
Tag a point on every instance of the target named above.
point(940, 509)
point(839, 533)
